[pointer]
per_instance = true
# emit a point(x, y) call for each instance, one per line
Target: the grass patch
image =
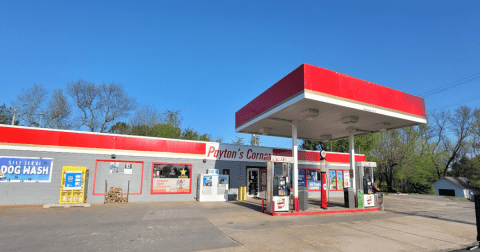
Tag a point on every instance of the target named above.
point(457, 198)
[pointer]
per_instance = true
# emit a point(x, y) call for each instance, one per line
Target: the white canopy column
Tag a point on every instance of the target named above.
point(295, 165)
point(351, 142)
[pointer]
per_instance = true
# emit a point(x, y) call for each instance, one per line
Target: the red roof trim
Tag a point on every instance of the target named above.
point(20, 135)
point(287, 87)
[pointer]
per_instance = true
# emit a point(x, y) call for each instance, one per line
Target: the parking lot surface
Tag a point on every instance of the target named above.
point(409, 223)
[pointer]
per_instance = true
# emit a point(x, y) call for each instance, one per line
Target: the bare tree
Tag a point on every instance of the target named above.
point(100, 106)
point(114, 103)
point(85, 95)
point(146, 115)
point(476, 133)
point(434, 137)
point(31, 108)
point(59, 111)
point(461, 125)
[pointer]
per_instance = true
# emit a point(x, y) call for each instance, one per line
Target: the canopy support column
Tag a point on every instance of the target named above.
point(351, 142)
point(295, 167)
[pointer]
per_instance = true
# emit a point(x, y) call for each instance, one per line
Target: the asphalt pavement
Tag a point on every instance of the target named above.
point(409, 223)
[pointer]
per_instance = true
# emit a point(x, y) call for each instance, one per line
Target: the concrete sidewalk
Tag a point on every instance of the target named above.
point(409, 224)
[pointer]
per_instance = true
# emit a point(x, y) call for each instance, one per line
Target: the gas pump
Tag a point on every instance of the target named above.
point(277, 196)
point(364, 180)
point(323, 173)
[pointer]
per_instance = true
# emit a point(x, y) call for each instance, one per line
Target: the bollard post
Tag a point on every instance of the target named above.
point(477, 215)
point(105, 198)
point(128, 189)
point(477, 220)
point(263, 205)
point(380, 201)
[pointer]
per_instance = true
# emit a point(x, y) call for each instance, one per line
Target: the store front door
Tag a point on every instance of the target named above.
point(253, 182)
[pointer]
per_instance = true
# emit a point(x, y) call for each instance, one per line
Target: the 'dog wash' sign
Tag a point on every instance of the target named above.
point(19, 169)
point(234, 152)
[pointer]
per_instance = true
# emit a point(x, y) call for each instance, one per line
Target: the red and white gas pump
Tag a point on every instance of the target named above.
point(323, 172)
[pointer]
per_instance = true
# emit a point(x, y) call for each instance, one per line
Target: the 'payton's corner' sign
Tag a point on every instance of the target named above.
point(234, 152)
point(20, 169)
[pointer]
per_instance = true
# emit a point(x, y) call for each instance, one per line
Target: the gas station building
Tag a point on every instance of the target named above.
point(310, 103)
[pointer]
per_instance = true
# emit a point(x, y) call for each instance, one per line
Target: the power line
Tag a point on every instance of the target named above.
point(472, 99)
point(456, 83)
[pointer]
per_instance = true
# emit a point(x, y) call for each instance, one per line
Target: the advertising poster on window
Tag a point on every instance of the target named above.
point(333, 181)
point(113, 167)
point(263, 180)
point(19, 169)
point(346, 179)
point(339, 180)
point(169, 178)
point(312, 180)
point(127, 168)
point(301, 177)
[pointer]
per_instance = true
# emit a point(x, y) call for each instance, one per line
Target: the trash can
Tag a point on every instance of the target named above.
point(303, 198)
point(349, 197)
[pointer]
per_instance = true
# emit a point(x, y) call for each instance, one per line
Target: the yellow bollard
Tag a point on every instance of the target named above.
point(242, 193)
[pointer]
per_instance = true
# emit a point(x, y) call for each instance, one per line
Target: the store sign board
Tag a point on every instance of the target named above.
point(280, 159)
point(171, 185)
point(73, 180)
point(232, 152)
point(20, 169)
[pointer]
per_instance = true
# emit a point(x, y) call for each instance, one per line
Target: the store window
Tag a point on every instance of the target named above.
point(171, 178)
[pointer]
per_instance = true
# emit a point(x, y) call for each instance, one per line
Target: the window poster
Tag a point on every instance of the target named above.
point(171, 178)
point(313, 182)
point(346, 179)
point(339, 180)
point(127, 168)
point(113, 167)
point(263, 180)
point(301, 177)
point(333, 180)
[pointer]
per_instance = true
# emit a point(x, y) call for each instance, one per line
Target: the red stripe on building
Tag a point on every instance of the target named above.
point(17, 135)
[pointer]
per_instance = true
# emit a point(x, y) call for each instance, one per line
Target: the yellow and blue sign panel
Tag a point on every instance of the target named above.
point(74, 185)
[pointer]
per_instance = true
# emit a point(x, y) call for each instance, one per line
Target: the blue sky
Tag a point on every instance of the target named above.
point(210, 58)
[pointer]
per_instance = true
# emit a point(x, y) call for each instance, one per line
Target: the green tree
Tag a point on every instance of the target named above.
point(120, 128)
point(6, 115)
point(238, 140)
point(255, 140)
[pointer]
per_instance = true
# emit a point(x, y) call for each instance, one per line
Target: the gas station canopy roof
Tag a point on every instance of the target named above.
point(326, 105)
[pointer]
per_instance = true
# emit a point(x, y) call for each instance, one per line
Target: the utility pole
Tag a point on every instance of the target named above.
point(13, 117)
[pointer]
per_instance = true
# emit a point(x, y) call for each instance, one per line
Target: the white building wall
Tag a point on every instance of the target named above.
point(445, 184)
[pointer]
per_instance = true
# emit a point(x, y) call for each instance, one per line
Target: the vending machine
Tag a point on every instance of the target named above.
point(212, 187)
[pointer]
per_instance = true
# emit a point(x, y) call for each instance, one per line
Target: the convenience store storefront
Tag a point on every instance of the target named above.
point(155, 169)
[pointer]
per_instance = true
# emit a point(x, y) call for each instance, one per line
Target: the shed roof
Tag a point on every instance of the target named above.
point(458, 181)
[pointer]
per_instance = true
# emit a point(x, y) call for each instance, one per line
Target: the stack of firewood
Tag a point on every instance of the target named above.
point(115, 195)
